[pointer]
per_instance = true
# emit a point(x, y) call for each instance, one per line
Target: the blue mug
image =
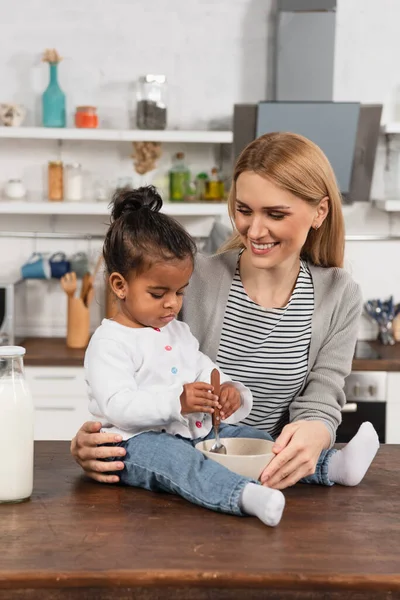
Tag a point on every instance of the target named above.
point(37, 267)
point(59, 265)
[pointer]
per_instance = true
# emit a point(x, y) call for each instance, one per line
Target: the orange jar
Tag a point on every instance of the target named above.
point(86, 117)
point(56, 180)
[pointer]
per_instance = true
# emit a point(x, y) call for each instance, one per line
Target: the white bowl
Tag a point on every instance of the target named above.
point(245, 456)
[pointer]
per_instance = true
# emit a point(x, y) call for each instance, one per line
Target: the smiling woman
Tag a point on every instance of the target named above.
point(277, 312)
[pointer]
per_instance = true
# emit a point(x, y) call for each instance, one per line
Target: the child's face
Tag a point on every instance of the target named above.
point(154, 298)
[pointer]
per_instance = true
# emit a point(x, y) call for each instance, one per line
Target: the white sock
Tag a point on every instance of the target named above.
point(263, 502)
point(349, 465)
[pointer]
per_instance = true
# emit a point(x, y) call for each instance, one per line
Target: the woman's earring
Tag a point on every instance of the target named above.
point(316, 227)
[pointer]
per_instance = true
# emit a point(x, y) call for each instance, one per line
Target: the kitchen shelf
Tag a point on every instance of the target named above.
point(389, 205)
point(116, 135)
point(389, 128)
point(181, 209)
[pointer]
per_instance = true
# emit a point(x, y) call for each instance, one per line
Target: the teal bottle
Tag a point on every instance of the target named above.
point(53, 101)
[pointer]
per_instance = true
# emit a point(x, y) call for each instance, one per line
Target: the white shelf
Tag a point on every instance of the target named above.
point(101, 208)
point(391, 128)
point(115, 135)
point(389, 205)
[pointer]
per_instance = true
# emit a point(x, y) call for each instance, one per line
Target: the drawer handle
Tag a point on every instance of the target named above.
point(58, 408)
point(351, 407)
point(54, 377)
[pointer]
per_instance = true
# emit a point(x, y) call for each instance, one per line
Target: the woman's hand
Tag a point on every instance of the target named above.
point(229, 399)
point(297, 452)
point(197, 397)
point(87, 449)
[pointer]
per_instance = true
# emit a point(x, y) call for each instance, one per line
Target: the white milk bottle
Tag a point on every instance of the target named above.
point(16, 427)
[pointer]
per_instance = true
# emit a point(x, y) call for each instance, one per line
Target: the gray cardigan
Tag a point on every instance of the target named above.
point(337, 308)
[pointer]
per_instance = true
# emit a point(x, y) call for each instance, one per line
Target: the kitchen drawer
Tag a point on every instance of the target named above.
point(56, 381)
point(59, 420)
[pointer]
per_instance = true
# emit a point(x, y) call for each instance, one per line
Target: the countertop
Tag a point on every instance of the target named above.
point(77, 539)
point(54, 352)
point(51, 352)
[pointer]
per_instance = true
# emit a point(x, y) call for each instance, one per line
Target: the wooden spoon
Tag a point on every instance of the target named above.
point(217, 447)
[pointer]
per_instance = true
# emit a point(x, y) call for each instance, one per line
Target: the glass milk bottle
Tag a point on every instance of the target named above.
point(16, 418)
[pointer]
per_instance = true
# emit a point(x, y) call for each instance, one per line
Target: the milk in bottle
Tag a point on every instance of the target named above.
point(16, 427)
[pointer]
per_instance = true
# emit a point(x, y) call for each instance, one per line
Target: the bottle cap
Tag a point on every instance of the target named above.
point(12, 351)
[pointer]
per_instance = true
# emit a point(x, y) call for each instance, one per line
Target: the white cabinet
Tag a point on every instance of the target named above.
point(393, 409)
point(60, 400)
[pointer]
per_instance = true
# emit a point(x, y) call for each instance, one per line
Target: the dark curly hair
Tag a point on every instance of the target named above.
point(140, 235)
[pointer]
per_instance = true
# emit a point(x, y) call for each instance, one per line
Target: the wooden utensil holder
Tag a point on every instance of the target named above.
point(78, 324)
point(111, 303)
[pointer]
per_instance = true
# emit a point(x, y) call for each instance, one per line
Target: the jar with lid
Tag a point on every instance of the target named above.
point(179, 179)
point(14, 189)
point(214, 189)
point(55, 180)
point(151, 97)
point(86, 117)
point(73, 182)
point(17, 419)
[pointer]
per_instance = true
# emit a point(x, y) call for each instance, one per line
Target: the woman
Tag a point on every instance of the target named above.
point(274, 308)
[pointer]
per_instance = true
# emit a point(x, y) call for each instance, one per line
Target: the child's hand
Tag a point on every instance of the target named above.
point(196, 397)
point(229, 400)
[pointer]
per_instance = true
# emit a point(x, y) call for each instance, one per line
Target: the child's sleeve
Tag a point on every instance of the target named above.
point(110, 375)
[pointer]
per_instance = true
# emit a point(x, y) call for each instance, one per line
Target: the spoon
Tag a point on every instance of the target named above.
point(217, 447)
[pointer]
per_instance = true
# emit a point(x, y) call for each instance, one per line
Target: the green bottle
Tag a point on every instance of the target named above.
point(179, 179)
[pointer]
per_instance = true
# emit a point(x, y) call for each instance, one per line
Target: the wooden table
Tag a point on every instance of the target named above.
point(78, 539)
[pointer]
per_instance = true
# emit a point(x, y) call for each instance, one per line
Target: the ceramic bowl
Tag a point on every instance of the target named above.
point(245, 456)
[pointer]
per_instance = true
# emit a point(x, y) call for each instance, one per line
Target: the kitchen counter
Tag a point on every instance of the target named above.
point(78, 539)
point(51, 352)
point(387, 358)
point(47, 352)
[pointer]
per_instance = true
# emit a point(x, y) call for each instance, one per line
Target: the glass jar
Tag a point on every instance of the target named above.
point(151, 97)
point(16, 418)
point(14, 189)
point(86, 117)
point(55, 180)
point(73, 182)
point(179, 179)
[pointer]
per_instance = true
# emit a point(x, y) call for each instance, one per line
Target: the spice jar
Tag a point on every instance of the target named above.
point(73, 182)
point(14, 189)
point(151, 102)
point(86, 117)
point(55, 180)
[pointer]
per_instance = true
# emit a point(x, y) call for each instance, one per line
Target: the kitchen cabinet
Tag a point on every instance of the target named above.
point(60, 401)
point(393, 409)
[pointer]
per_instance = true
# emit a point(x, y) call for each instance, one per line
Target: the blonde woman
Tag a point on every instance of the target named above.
point(276, 311)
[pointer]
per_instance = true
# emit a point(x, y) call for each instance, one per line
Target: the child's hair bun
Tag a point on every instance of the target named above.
point(126, 202)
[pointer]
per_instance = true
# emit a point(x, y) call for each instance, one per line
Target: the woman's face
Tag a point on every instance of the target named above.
point(273, 224)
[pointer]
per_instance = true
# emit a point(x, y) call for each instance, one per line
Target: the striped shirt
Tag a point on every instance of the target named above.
point(266, 349)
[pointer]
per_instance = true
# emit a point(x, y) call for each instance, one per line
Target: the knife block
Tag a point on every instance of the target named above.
point(111, 303)
point(78, 324)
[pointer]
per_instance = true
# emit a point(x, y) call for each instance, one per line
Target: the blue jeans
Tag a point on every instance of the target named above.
point(167, 463)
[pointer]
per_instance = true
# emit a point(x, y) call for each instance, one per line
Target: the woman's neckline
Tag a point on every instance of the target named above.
point(301, 267)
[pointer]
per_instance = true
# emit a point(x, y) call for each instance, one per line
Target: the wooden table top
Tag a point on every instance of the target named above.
point(79, 539)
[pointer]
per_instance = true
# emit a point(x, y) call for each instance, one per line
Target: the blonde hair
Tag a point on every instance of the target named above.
point(297, 165)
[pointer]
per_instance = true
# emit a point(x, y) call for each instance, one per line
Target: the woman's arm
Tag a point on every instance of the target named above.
point(88, 449)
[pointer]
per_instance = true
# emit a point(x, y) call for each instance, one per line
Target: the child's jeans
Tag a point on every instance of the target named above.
point(164, 462)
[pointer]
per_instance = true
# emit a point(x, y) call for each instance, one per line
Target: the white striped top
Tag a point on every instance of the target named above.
point(266, 349)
